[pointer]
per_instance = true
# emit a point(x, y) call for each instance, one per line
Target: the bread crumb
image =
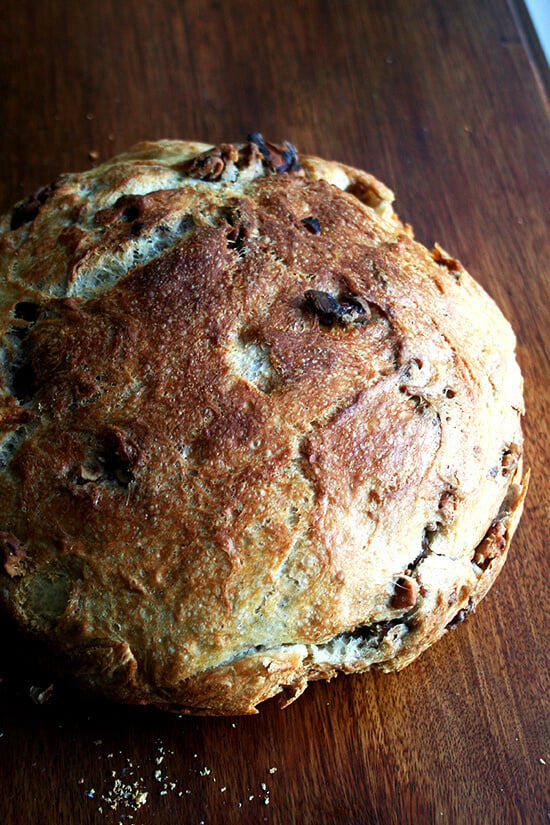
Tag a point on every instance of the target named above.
point(542, 762)
point(273, 770)
point(130, 795)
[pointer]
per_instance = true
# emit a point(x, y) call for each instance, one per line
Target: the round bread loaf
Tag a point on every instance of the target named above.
point(251, 432)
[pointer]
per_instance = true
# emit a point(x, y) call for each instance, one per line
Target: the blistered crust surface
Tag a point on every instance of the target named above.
point(251, 432)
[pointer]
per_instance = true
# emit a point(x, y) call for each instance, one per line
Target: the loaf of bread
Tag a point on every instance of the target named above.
point(251, 433)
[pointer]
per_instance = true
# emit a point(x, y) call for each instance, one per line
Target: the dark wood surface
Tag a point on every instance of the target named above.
point(440, 100)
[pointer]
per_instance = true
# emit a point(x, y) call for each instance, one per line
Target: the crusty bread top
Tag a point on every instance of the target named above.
point(241, 409)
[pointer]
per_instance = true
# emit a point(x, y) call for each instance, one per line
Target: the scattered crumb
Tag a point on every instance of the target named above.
point(131, 795)
point(93, 154)
point(126, 786)
point(542, 762)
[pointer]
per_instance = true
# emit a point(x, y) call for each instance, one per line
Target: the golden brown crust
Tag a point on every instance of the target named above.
point(251, 433)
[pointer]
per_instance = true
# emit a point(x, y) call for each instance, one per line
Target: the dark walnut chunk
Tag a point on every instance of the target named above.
point(238, 229)
point(237, 237)
point(495, 541)
point(461, 615)
point(121, 456)
point(41, 695)
point(312, 225)
point(117, 455)
point(89, 472)
point(210, 165)
point(27, 311)
point(27, 211)
point(278, 158)
point(510, 459)
point(127, 208)
point(23, 382)
point(26, 314)
point(443, 259)
point(12, 554)
point(330, 311)
point(405, 593)
point(493, 545)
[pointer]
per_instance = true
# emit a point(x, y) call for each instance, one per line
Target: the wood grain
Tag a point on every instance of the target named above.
point(438, 99)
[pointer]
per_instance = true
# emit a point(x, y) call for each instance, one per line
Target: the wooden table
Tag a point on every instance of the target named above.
point(447, 103)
